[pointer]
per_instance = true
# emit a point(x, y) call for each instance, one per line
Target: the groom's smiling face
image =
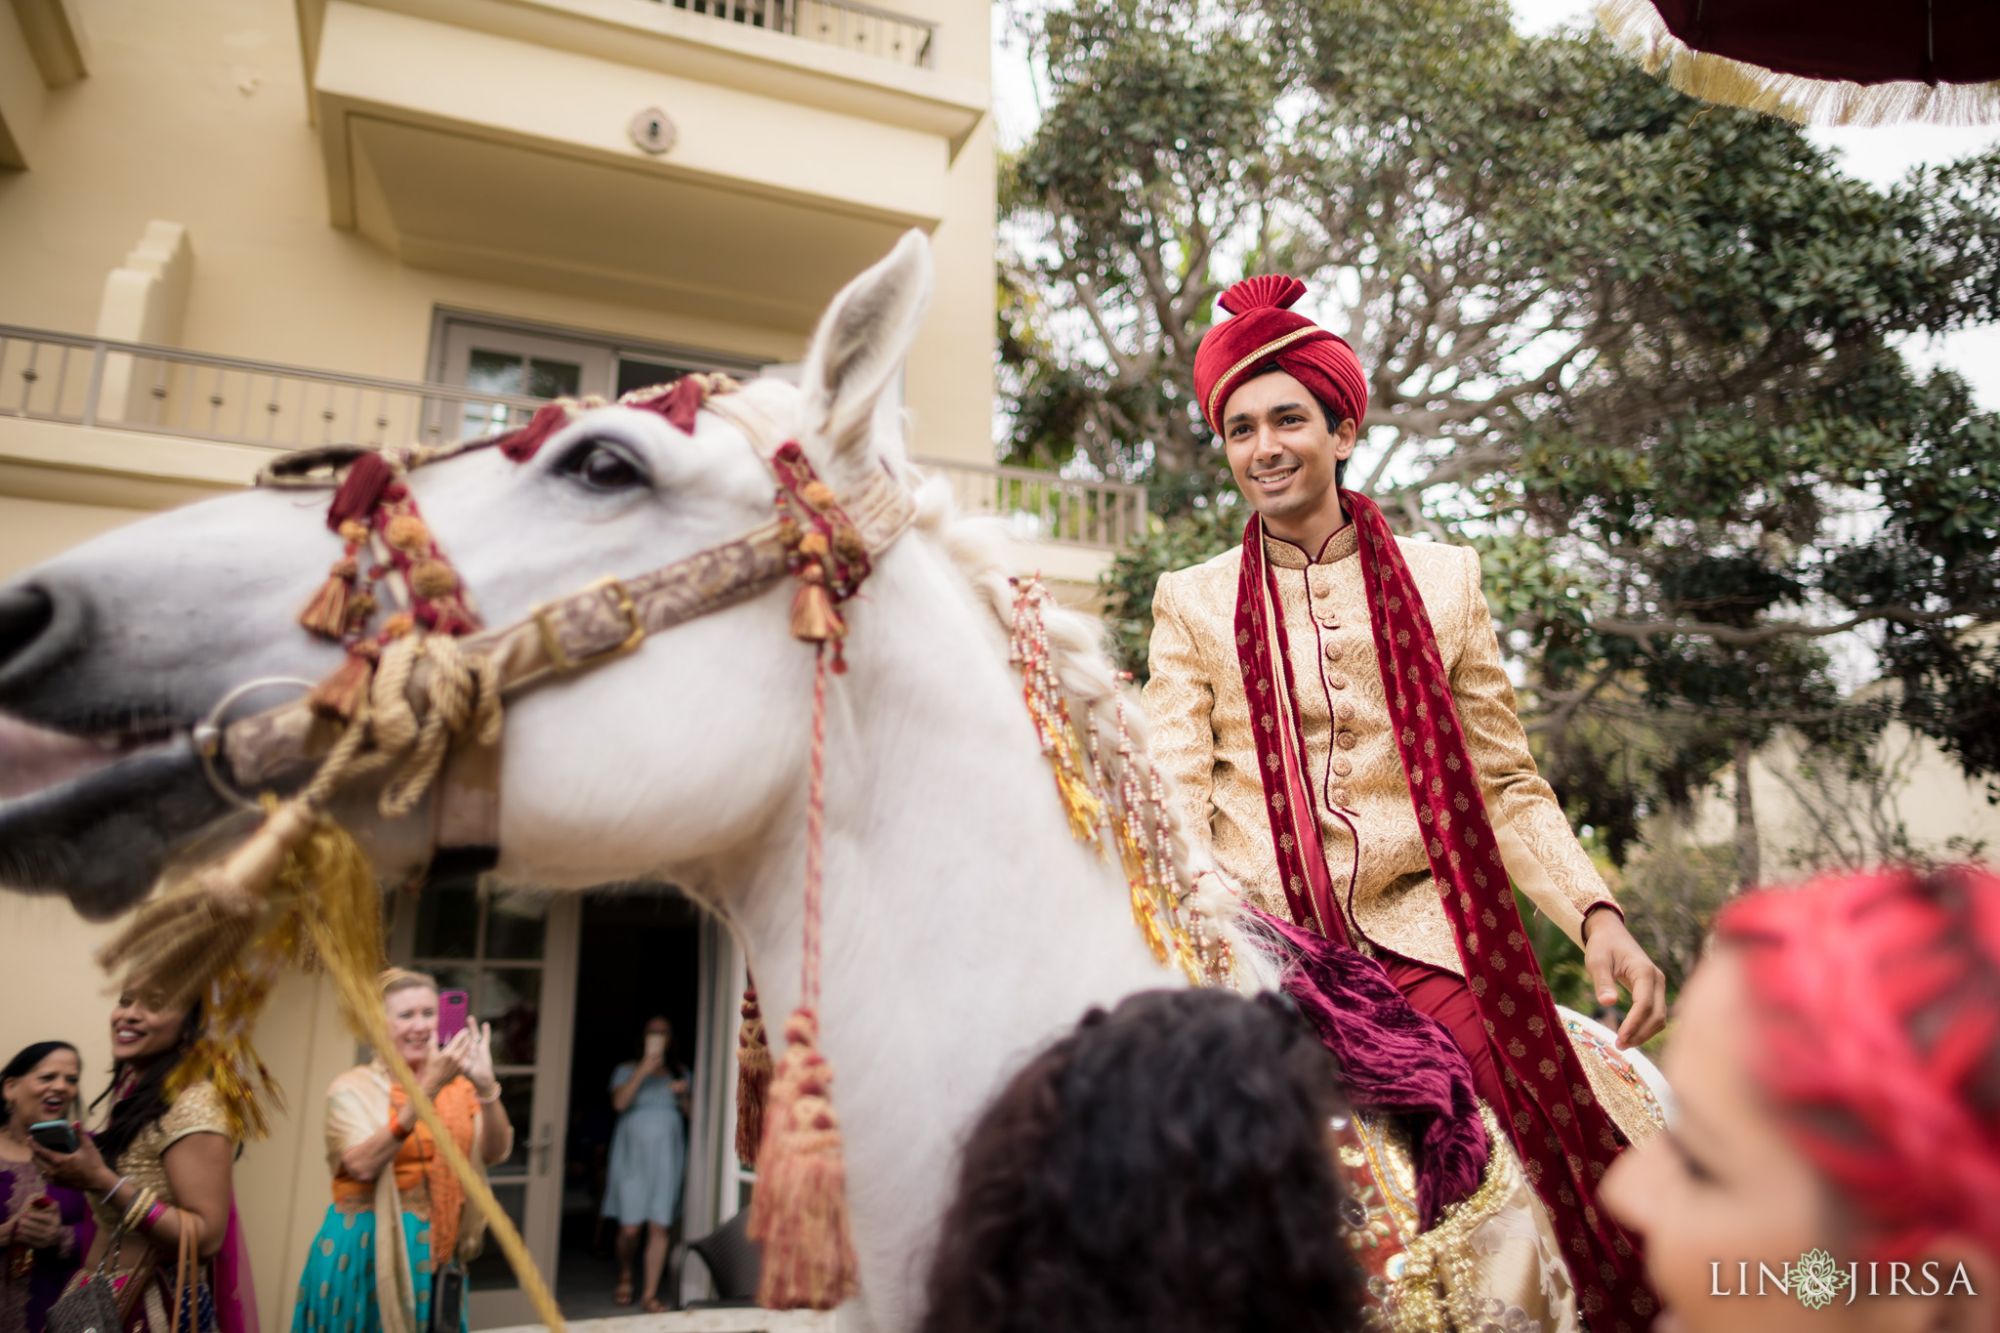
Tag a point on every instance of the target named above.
point(1282, 451)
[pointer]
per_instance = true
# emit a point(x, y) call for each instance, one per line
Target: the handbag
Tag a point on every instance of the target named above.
point(447, 1298)
point(94, 1304)
point(194, 1303)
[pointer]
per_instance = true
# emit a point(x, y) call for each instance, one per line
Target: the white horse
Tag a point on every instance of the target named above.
point(965, 925)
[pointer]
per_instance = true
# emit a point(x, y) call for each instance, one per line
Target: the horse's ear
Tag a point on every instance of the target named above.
point(861, 345)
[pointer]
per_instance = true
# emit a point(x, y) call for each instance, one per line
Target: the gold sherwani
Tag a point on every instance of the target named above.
point(1201, 735)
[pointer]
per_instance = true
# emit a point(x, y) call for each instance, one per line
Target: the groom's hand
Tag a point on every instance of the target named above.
point(1614, 959)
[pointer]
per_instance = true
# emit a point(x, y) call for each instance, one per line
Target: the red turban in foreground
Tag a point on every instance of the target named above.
point(1266, 330)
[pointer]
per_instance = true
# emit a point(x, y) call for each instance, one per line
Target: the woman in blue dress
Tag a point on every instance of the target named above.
point(648, 1158)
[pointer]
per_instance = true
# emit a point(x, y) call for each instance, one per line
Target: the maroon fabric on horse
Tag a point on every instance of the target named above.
point(1565, 1139)
point(1394, 1060)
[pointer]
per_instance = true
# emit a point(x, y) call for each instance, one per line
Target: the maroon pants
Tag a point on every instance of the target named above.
point(1445, 997)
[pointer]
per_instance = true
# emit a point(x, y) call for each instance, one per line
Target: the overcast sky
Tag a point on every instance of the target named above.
point(1879, 155)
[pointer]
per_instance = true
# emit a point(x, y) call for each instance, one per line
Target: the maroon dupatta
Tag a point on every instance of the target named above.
point(1565, 1139)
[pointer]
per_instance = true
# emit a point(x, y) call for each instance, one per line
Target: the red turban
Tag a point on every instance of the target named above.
point(1266, 331)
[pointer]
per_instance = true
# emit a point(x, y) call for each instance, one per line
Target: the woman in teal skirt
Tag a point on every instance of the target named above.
point(389, 1180)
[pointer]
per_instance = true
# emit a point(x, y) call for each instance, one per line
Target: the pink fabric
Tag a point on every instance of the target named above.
point(235, 1294)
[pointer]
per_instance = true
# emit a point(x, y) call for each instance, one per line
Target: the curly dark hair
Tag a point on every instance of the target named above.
point(1166, 1168)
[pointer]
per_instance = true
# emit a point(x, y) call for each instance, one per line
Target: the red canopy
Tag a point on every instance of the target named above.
point(1827, 61)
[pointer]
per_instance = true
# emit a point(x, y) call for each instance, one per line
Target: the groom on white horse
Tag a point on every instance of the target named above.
point(1329, 667)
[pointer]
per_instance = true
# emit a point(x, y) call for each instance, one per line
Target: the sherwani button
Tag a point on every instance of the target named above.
point(1345, 740)
point(1344, 712)
point(1340, 796)
point(1334, 651)
point(1338, 682)
point(1342, 767)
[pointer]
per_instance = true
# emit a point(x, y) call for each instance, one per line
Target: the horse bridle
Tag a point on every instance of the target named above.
point(815, 534)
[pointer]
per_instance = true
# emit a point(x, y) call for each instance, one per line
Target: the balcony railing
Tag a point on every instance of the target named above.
point(164, 391)
point(82, 381)
point(1042, 506)
point(844, 23)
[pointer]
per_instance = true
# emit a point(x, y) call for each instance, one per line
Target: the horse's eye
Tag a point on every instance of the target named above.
point(601, 467)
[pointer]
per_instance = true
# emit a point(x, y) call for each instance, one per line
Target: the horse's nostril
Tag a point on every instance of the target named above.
point(26, 612)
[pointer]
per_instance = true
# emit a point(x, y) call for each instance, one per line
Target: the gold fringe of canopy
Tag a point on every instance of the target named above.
point(1638, 29)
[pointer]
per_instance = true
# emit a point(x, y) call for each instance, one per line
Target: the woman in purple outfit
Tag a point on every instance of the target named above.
point(45, 1228)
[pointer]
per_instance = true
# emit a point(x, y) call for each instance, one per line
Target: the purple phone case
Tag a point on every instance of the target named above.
point(453, 1006)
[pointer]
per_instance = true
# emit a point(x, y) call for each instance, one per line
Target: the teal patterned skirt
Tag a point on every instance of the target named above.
point(337, 1288)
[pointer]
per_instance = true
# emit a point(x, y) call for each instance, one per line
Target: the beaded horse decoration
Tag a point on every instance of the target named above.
point(1129, 816)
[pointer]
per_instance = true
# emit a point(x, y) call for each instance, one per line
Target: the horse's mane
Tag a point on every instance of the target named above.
point(1093, 686)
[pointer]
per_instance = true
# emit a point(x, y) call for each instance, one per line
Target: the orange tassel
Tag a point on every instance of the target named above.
point(340, 694)
point(814, 618)
point(799, 1212)
point(326, 614)
point(753, 1079)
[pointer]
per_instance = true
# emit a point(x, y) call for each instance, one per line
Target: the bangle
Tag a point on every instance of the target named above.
point(116, 1185)
point(396, 1125)
point(144, 1201)
point(488, 1101)
point(153, 1215)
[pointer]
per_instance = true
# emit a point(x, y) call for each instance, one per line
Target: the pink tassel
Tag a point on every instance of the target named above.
point(799, 1212)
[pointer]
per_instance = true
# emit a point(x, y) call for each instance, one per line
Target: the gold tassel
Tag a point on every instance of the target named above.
point(340, 694)
point(814, 619)
point(753, 1079)
point(181, 941)
point(326, 614)
point(799, 1212)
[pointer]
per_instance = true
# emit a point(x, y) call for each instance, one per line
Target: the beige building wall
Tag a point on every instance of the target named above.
point(180, 191)
point(1809, 819)
point(195, 113)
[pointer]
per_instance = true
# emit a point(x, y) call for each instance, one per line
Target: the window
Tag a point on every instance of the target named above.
point(520, 360)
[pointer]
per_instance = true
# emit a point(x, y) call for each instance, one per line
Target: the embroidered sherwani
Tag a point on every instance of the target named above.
point(1374, 844)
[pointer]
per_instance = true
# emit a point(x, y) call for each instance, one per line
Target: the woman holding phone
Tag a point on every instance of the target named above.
point(648, 1156)
point(390, 1254)
point(160, 1174)
point(45, 1228)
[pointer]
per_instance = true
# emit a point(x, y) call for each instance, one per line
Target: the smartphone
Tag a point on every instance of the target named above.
point(55, 1135)
point(656, 1045)
point(453, 1007)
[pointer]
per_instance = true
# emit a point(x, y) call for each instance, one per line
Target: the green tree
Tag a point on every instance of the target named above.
point(1641, 350)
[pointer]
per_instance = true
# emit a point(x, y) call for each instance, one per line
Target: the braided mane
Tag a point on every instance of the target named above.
point(1093, 686)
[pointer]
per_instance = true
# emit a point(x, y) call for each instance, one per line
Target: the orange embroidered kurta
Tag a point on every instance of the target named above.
point(1201, 736)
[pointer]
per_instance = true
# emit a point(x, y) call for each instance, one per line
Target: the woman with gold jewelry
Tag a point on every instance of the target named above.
point(158, 1173)
point(393, 1194)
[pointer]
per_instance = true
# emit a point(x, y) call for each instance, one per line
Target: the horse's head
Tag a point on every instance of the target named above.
point(113, 652)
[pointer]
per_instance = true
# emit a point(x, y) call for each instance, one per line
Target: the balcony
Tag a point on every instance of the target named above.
point(847, 24)
point(497, 140)
point(119, 392)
